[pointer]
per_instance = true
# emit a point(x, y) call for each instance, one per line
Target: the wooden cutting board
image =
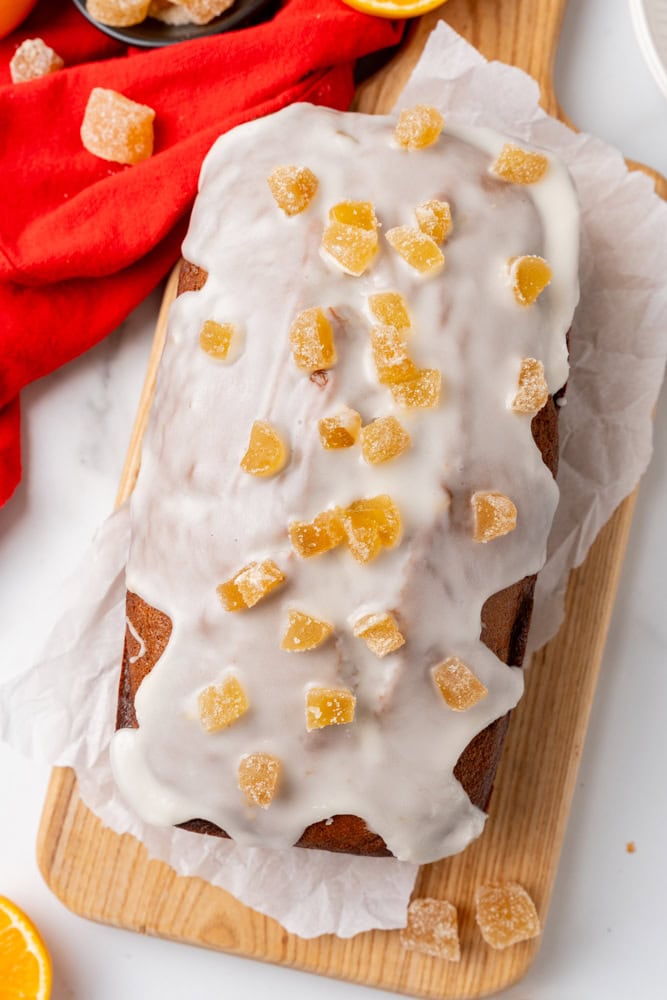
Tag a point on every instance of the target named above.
point(109, 878)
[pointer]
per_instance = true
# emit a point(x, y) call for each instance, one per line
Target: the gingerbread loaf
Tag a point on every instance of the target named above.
point(347, 484)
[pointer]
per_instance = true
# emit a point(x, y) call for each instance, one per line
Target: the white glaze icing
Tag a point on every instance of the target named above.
point(197, 518)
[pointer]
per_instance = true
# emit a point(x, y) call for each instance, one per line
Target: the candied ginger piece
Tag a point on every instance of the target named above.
point(118, 13)
point(383, 439)
point(432, 929)
point(169, 13)
point(494, 513)
point(32, 59)
point(329, 707)
point(418, 127)
point(421, 391)
point(304, 632)
point(380, 633)
point(116, 128)
point(259, 778)
point(250, 585)
point(312, 538)
point(351, 235)
point(533, 389)
point(506, 914)
point(382, 512)
point(311, 337)
point(389, 309)
point(362, 537)
point(293, 188)
point(419, 250)
point(340, 430)
point(458, 685)
point(390, 354)
point(435, 219)
point(215, 339)
point(203, 11)
point(351, 247)
point(359, 214)
point(519, 166)
point(220, 705)
point(529, 277)
point(266, 454)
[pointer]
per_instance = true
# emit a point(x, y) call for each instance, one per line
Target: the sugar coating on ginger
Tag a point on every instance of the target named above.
point(221, 705)
point(494, 515)
point(380, 632)
point(506, 914)
point(32, 60)
point(117, 129)
point(458, 685)
point(329, 707)
point(432, 929)
point(293, 188)
point(418, 127)
point(259, 778)
point(304, 632)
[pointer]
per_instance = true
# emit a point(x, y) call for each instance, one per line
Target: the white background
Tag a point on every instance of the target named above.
point(606, 935)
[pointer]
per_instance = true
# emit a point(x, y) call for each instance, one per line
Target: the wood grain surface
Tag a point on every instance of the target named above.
point(111, 879)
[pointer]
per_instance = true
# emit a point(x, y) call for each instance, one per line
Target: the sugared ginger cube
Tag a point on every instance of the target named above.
point(359, 214)
point(380, 633)
point(506, 914)
point(519, 166)
point(390, 354)
point(340, 430)
point(435, 219)
point(529, 276)
point(418, 127)
point(250, 585)
point(432, 929)
point(370, 525)
point(221, 705)
point(215, 339)
point(33, 59)
point(266, 453)
point(118, 13)
point(203, 11)
point(312, 340)
point(116, 128)
point(350, 238)
point(329, 707)
point(389, 309)
point(416, 248)
point(259, 778)
point(323, 533)
point(533, 390)
point(383, 513)
point(494, 515)
point(304, 632)
point(293, 188)
point(422, 391)
point(383, 439)
point(458, 685)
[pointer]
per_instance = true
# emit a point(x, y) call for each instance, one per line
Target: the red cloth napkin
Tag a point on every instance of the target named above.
point(83, 241)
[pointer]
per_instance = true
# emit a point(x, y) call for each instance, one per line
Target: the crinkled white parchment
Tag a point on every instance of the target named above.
point(63, 709)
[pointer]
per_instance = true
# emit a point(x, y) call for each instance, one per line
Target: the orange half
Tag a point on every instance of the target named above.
point(25, 966)
point(395, 8)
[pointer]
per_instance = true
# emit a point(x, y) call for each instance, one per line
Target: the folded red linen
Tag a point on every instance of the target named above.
point(82, 240)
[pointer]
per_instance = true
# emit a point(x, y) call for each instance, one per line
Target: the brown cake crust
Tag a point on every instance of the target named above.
point(505, 623)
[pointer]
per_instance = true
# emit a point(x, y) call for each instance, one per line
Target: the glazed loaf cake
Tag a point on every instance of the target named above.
point(347, 484)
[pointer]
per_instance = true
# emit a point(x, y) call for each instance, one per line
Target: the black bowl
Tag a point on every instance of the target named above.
point(151, 34)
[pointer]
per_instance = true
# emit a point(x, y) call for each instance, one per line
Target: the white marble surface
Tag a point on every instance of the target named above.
point(608, 921)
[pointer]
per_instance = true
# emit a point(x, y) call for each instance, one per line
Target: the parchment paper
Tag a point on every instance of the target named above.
point(62, 710)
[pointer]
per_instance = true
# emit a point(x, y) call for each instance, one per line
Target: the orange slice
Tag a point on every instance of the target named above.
point(25, 966)
point(394, 8)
